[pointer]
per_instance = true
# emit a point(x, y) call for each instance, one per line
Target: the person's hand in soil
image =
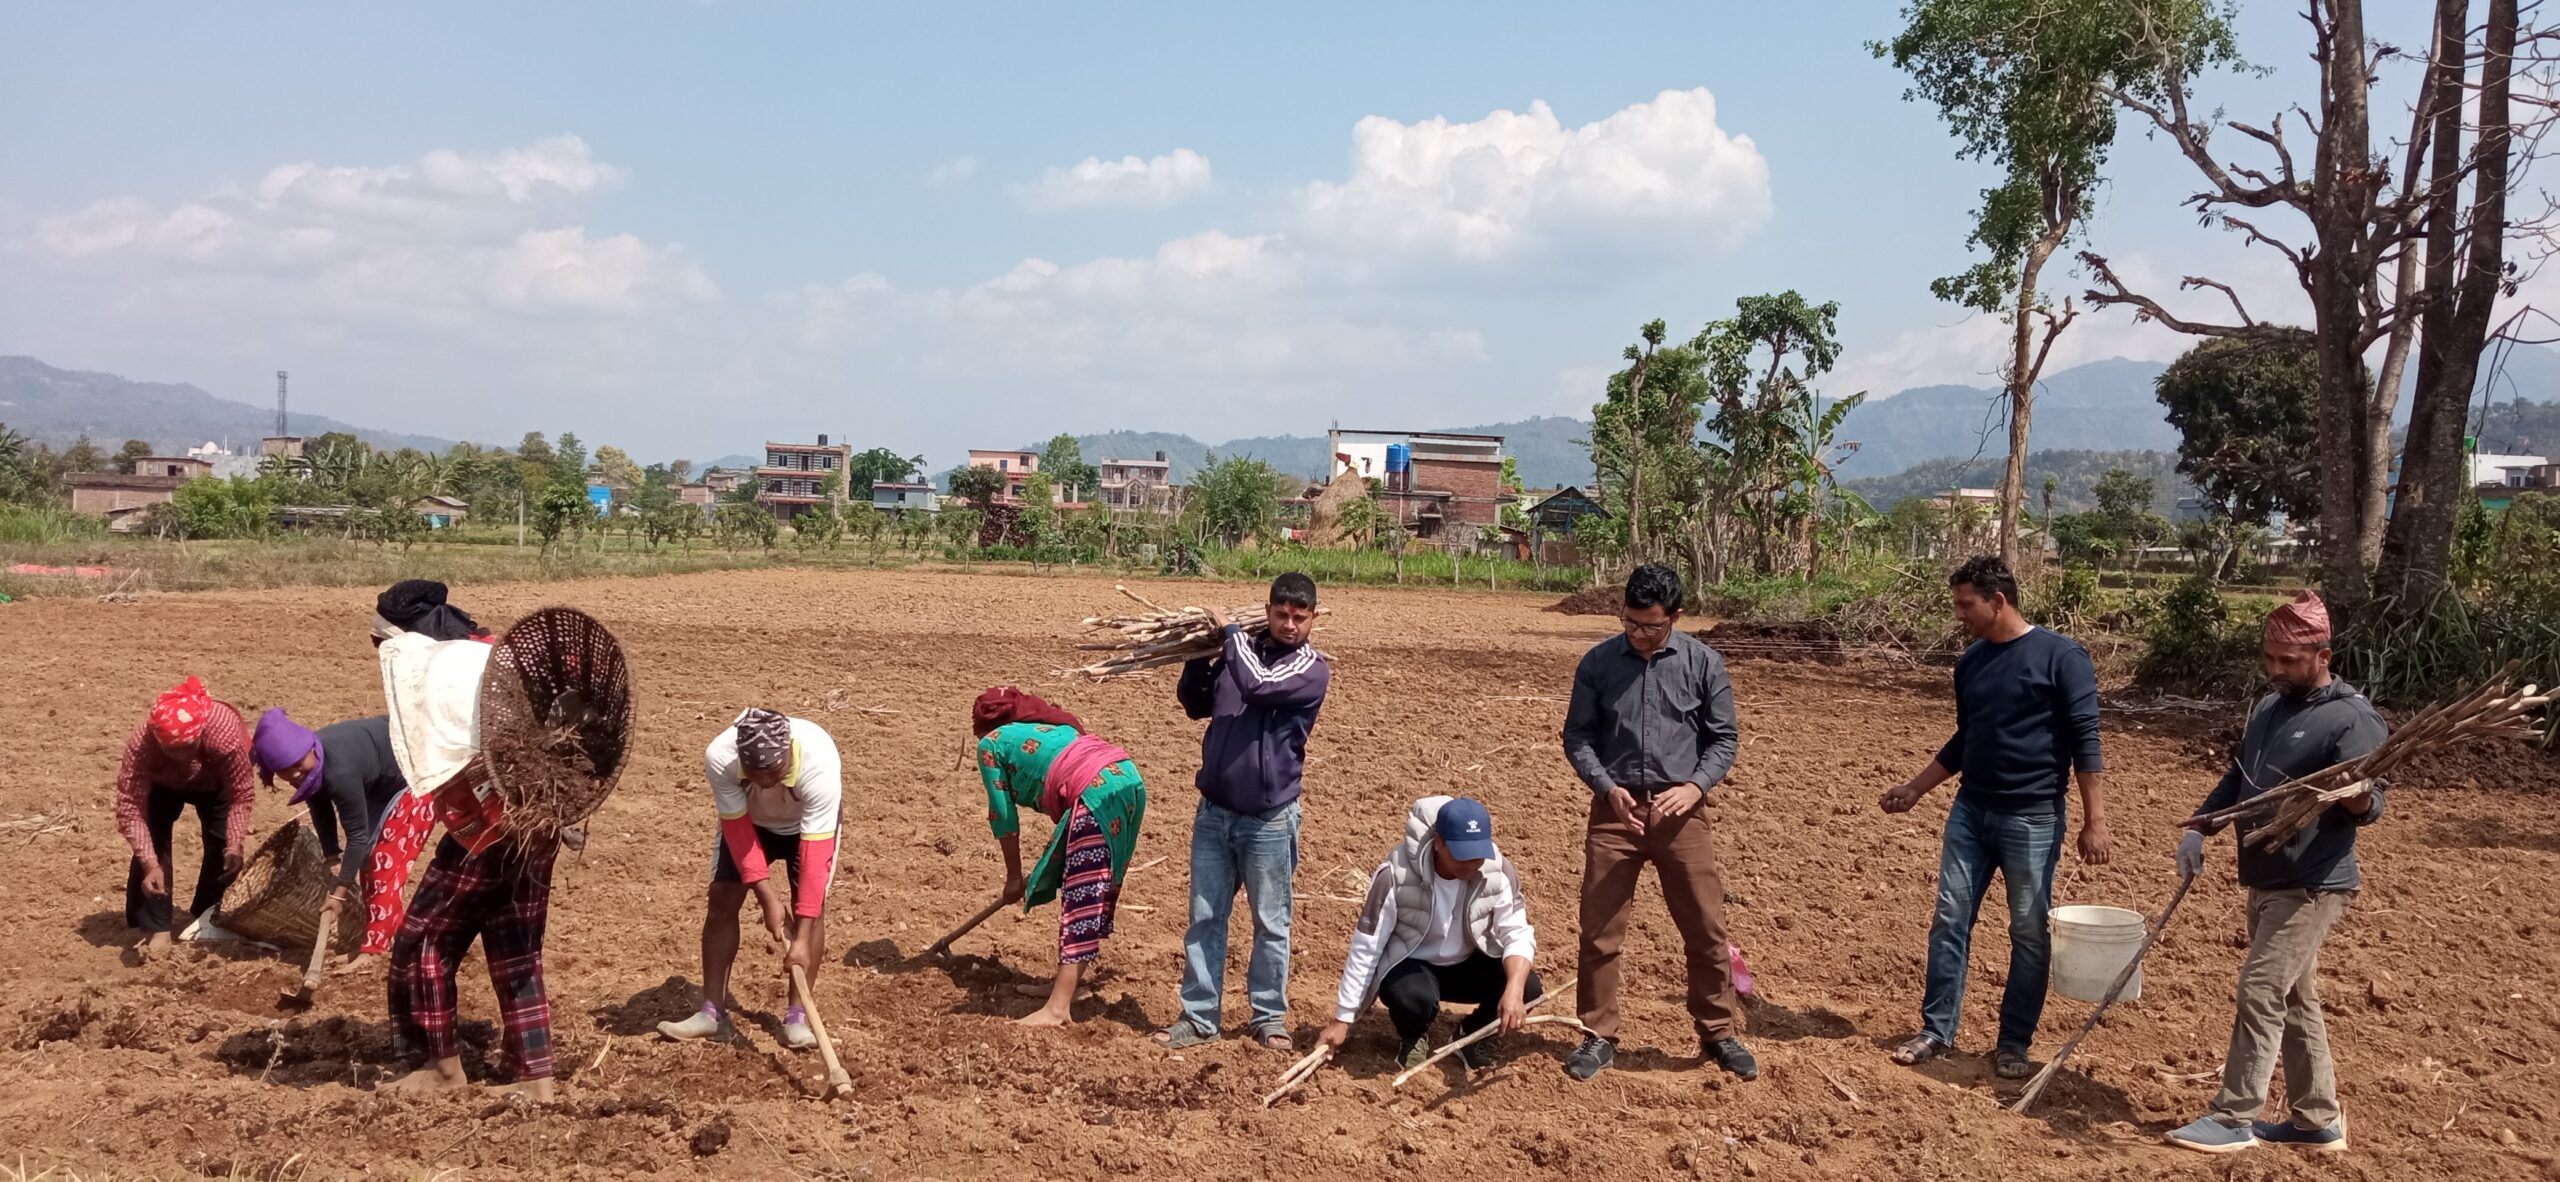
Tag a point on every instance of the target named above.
point(231, 860)
point(155, 880)
point(2095, 844)
point(1675, 802)
point(777, 922)
point(1623, 803)
point(1334, 1035)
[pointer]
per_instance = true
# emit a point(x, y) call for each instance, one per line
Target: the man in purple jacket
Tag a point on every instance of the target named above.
point(1261, 697)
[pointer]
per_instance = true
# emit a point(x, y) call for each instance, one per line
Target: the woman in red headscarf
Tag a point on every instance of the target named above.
point(191, 751)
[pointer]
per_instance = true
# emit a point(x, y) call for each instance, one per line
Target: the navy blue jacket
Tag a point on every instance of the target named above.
point(2026, 716)
point(1262, 699)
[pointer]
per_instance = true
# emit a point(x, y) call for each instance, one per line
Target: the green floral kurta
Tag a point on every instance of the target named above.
point(1013, 762)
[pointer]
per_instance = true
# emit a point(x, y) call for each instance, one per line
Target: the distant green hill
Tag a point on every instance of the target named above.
point(2075, 474)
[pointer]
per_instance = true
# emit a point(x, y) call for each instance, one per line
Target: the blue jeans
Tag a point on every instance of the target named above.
point(2024, 848)
point(1260, 853)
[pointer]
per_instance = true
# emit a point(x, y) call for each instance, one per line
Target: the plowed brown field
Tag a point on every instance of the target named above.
point(2440, 985)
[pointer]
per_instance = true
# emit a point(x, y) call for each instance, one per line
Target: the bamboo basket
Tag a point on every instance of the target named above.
point(276, 898)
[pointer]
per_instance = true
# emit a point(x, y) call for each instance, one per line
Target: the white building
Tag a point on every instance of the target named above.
point(2507, 471)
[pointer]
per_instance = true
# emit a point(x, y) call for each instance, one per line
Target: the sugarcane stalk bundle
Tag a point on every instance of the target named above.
point(1159, 636)
point(2497, 710)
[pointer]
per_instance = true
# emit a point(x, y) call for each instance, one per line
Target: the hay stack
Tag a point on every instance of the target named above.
point(1325, 516)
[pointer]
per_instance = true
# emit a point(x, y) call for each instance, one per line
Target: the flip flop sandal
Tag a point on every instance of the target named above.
point(1274, 1040)
point(1919, 1050)
point(1180, 1035)
point(2011, 1065)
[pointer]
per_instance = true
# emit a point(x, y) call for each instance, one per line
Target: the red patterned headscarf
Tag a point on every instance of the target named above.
point(1005, 704)
point(179, 716)
point(2303, 621)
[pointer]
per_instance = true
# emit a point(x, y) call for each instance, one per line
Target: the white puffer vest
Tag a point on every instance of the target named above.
point(1408, 874)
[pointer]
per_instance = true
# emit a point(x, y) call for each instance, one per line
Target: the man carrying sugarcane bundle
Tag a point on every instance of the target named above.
point(1261, 695)
point(1445, 920)
point(1034, 755)
point(777, 785)
point(2297, 891)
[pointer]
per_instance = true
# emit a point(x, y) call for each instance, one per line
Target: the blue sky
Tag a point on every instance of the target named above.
point(684, 228)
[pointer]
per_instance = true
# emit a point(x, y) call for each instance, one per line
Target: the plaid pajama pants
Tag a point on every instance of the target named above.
point(502, 897)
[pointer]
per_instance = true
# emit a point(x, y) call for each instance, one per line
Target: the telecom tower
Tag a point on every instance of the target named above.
point(280, 403)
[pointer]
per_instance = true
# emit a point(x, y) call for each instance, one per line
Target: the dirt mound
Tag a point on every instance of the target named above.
point(1592, 601)
point(1784, 640)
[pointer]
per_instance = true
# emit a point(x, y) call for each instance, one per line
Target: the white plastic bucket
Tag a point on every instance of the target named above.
point(2090, 946)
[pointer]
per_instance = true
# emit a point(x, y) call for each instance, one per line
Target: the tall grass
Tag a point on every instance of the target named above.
point(28, 523)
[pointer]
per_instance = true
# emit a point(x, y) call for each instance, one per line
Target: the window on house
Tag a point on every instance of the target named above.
point(1004, 465)
point(1026, 459)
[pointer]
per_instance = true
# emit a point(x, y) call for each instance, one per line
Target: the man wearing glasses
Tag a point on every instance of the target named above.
point(1651, 729)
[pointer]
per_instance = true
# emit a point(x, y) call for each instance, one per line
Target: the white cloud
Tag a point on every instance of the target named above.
point(1654, 173)
point(1972, 349)
point(958, 170)
point(1129, 182)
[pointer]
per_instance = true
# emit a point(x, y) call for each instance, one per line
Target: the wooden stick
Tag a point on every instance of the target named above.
point(1487, 1031)
point(838, 1083)
point(2035, 1087)
point(1298, 1073)
point(966, 926)
point(319, 961)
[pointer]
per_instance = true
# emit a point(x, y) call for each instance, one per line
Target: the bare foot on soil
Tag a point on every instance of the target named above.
point(425, 1081)
point(159, 946)
point(1046, 1016)
point(537, 1091)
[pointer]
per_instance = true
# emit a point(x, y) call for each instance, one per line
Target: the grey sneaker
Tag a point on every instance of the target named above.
point(2207, 1135)
point(796, 1036)
point(1411, 1053)
point(1589, 1059)
point(1479, 1055)
point(705, 1023)
point(2284, 1132)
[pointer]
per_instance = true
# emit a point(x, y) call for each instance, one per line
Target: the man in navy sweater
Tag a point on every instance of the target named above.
point(1261, 697)
point(2026, 724)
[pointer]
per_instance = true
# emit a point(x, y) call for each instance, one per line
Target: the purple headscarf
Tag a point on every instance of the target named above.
point(281, 743)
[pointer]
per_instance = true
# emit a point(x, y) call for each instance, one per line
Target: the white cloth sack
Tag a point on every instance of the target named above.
point(432, 688)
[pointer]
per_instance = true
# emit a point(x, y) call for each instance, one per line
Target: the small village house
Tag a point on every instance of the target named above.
point(1016, 466)
point(793, 478)
point(1440, 485)
point(1137, 484)
point(904, 496)
point(442, 512)
point(120, 498)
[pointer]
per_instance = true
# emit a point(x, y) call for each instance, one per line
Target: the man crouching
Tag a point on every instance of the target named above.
point(1445, 921)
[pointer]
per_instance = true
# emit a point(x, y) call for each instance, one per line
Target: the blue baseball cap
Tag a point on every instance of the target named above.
point(1466, 829)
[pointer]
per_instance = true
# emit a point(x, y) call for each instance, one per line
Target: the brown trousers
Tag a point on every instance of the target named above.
point(1613, 859)
point(2278, 1012)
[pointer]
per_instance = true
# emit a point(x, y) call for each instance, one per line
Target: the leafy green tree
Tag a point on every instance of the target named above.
point(22, 479)
point(617, 468)
point(977, 484)
point(1512, 514)
point(560, 511)
point(879, 465)
point(132, 451)
point(960, 527)
point(239, 507)
point(865, 523)
point(1039, 491)
point(1643, 436)
point(1360, 520)
point(1063, 462)
point(82, 456)
point(1237, 498)
point(2123, 499)
point(2247, 414)
point(569, 461)
point(1772, 434)
point(680, 470)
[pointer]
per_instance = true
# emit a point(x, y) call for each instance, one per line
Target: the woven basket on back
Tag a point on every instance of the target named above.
point(276, 898)
point(555, 718)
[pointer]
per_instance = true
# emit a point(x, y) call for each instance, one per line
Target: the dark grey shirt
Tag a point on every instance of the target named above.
point(2289, 738)
point(1646, 724)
